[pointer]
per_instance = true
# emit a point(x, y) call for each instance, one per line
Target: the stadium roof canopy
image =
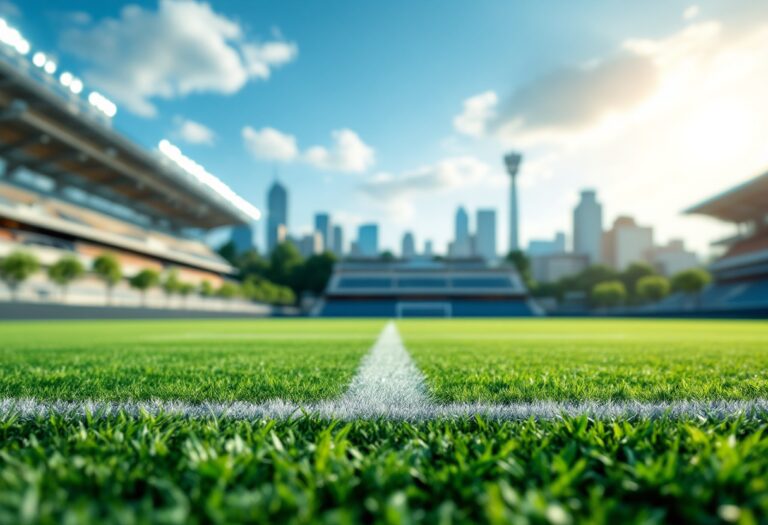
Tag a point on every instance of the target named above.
point(746, 202)
point(60, 137)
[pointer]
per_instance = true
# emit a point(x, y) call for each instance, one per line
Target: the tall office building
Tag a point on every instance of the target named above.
point(242, 237)
point(462, 243)
point(277, 214)
point(512, 163)
point(323, 227)
point(428, 252)
point(588, 227)
point(409, 246)
point(368, 240)
point(308, 245)
point(338, 241)
point(485, 243)
point(627, 242)
point(537, 247)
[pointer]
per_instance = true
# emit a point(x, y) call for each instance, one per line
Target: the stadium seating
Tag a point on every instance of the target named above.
point(424, 289)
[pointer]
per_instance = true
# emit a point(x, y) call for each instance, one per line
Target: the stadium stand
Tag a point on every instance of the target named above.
point(467, 288)
point(70, 184)
point(740, 284)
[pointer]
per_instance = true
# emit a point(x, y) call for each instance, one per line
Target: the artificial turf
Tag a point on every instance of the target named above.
point(583, 359)
point(175, 470)
point(171, 469)
point(182, 360)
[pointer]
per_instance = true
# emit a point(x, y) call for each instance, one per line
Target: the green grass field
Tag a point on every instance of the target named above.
point(174, 469)
point(660, 360)
point(191, 361)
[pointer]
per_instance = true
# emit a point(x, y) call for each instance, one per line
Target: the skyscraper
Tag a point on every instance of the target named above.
point(512, 162)
point(368, 240)
point(626, 243)
point(323, 227)
point(588, 227)
point(277, 214)
point(409, 246)
point(462, 244)
point(242, 237)
point(338, 241)
point(486, 235)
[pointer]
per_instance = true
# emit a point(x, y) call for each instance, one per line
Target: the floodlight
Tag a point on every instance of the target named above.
point(512, 161)
point(66, 79)
point(23, 47)
point(201, 175)
point(50, 67)
point(39, 59)
point(76, 86)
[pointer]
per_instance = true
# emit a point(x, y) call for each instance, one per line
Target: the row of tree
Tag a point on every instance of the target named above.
point(638, 284)
point(650, 288)
point(285, 267)
point(19, 266)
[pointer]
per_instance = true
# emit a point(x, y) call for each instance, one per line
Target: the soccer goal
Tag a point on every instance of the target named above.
point(432, 309)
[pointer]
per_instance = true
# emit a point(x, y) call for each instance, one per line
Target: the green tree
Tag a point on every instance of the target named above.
point(252, 263)
point(522, 264)
point(228, 251)
point(206, 289)
point(387, 256)
point(652, 288)
point(171, 283)
point(143, 281)
point(691, 282)
point(285, 265)
point(609, 293)
point(16, 268)
point(64, 271)
point(107, 268)
point(228, 291)
point(316, 272)
point(185, 289)
point(633, 273)
point(592, 276)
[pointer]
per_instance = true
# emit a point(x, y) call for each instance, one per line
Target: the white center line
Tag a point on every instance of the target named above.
point(389, 385)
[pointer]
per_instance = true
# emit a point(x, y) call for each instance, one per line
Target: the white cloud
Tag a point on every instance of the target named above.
point(270, 144)
point(697, 129)
point(478, 111)
point(691, 12)
point(193, 132)
point(347, 154)
point(447, 174)
point(183, 47)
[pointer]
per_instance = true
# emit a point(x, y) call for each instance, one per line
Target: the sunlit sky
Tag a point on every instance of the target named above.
point(397, 112)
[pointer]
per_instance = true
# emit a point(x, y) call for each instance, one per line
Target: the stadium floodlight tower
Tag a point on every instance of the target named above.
point(512, 161)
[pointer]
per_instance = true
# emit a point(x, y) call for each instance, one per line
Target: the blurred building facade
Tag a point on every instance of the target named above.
point(277, 215)
point(588, 227)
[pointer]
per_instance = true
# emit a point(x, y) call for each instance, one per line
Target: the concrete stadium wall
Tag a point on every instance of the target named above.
point(10, 311)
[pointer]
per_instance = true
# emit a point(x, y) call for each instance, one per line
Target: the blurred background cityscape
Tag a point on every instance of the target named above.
point(627, 184)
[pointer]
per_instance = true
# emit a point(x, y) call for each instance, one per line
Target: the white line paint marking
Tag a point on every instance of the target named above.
point(539, 410)
point(389, 385)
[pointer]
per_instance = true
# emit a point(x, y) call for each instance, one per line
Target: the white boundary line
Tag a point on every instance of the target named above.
point(388, 385)
point(277, 409)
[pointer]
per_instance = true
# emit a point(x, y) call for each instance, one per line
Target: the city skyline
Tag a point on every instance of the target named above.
point(672, 122)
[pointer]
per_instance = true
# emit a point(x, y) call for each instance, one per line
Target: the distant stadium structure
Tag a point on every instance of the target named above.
point(421, 288)
point(741, 273)
point(71, 185)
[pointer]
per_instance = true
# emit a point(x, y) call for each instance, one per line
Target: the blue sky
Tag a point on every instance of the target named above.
point(397, 112)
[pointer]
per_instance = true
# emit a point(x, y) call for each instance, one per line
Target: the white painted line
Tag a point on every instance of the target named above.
point(277, 409)
point(387, 378)
point(389, 385)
